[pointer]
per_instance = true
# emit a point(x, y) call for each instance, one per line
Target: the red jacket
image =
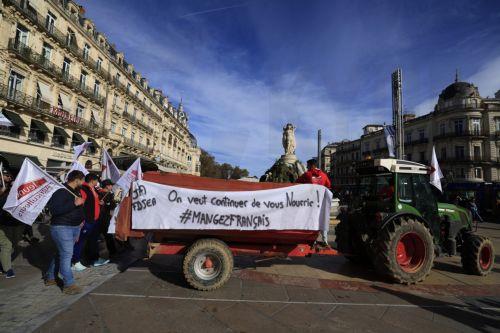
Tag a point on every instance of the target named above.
point(91, 206)
point(315, 176)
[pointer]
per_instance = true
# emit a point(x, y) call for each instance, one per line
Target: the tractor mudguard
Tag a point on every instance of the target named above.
point(394, 216)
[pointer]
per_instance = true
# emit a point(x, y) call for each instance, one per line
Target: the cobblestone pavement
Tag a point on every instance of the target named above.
point(320, 294)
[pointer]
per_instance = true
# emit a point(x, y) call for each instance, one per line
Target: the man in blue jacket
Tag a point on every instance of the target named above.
point(67, 217)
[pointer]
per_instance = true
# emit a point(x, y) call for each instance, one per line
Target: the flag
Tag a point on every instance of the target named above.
point(390, 133)
point(76, 166)
point(4, 121)
point(436, 173)
point(30, 192)
point(108, 167)
point(80, 149)
point(133, 173)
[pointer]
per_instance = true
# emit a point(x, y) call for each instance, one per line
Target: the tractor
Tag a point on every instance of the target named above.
point(395, 223)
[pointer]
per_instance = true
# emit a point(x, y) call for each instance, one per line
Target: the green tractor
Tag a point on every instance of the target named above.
point(394, 222)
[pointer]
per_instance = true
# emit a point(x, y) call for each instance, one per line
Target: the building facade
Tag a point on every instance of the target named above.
point(464, 128)
point(62, 83)
point(326, 156)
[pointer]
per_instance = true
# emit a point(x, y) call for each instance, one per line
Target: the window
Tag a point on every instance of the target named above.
point(126, 107)
point(478, 173)
point(128, 87)
point(476, 126)
point(497, 124)
point(22, 35)
point(459, 152)
point(97, 87)
point(66, 67)
point(442, 129)
point(83, 79)
point(86, 51)
point(117, 77)
point(99, 63)
point(132, 135)
point(113, 126)
point(477, 153)
point(422, 156)
point(70, 38)
point(50, 22)
point(80, 110)
point(367, 146)
point(124, 130)
point(443, 153)
point(408, 137)
point(140, 138)
point(421, 134)
point(46, 51)
point(15, 84)
point(459, 126)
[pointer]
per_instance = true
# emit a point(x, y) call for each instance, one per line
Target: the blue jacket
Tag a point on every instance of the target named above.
point(63, 209)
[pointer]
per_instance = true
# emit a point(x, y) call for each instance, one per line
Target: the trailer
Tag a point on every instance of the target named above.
point(208, 254)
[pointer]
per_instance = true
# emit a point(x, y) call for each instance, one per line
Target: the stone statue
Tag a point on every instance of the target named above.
point(289, 139)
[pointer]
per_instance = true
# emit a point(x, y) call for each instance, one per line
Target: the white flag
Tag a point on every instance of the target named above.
point(80, 149)
point(30, 192)
point(436, 173)
point(133, 173)
point(390, 133)
point(109, 169)
point(76, 166)
point(4, 121)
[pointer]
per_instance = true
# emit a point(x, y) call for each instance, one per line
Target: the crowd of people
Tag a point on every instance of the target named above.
point(80, 215)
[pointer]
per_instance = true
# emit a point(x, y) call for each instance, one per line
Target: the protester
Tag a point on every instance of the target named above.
point(107, 198)
point(66, 207)
point(313, 175)
point(89, 235)
point(474, 210)
point(11, 230)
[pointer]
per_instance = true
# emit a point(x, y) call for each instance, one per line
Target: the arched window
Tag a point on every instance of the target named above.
point(170, 139)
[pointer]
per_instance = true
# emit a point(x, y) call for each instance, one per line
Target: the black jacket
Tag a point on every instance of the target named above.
point(63, 209)
point(109, 205)
point(5, 217)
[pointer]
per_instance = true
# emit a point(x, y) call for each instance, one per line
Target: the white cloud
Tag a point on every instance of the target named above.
point(488, 78)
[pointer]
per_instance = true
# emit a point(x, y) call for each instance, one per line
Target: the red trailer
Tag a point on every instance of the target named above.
point(208, 254)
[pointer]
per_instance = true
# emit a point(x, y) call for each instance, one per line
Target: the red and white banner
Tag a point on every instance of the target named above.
point(109, 169)
point(133, 173)
point(30, 192)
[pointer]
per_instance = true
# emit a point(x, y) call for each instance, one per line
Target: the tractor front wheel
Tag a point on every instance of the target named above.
point(405, 251)
point(477, 255)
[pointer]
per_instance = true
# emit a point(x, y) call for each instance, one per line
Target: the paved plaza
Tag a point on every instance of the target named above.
point(320, 294)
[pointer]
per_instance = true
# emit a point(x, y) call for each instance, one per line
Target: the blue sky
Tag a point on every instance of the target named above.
point(246, 68)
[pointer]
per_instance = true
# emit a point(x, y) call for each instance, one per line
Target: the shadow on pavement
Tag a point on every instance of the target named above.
point(473, 317)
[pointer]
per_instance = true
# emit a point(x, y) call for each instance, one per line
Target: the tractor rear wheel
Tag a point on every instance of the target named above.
point(405, 251)
point(477, 255)
point(208, 264)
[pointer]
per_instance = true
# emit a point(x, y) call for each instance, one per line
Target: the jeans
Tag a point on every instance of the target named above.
point(89, 234)
point(9, 237)
point(64, 237)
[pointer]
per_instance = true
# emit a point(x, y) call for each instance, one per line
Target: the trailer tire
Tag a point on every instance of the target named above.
point(405, 251)
point(477, 255)
point(208, 264)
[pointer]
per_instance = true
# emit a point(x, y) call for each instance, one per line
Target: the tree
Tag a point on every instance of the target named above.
point(210, 168)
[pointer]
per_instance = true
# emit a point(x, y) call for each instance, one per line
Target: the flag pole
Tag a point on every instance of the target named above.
point(1, 175)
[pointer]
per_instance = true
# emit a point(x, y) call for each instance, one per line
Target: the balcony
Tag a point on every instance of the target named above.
point(29, 56)
point(417, 142)
point(58, 36)
point(134, 144)
point(464, 133)
point(471, 159)
point(7, 132)
point(39, 108)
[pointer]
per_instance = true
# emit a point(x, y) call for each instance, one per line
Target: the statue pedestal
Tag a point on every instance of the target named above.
point(289, 158)
point(285, 170)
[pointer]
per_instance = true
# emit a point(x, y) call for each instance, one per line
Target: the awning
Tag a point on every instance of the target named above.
point(65, 102)
point(40, 125)
point(94, 143)
point(45, 92)
point(13, 162)
point(14, 118)
point(77, 137)
point(61, 132)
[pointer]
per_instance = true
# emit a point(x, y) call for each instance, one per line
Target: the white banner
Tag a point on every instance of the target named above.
point(30, 192)
point(436, 173)
point(133, 173)
point(299, 207)
point(76, 166)
point(80, 149)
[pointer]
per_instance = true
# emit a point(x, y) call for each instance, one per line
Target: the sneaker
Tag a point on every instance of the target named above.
point(10, 274)
point(78, 267)
point(100, 262)
point(72, 290)
point(49, 283)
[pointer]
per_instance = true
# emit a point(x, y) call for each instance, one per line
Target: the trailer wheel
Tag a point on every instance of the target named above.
point(477, 255)
point(405, 251)
point(208, 264)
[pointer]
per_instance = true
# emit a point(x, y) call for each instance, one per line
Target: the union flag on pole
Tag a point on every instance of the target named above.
point(30, 192)
point(80, 149)
point(133, 173)
point(109, 169)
